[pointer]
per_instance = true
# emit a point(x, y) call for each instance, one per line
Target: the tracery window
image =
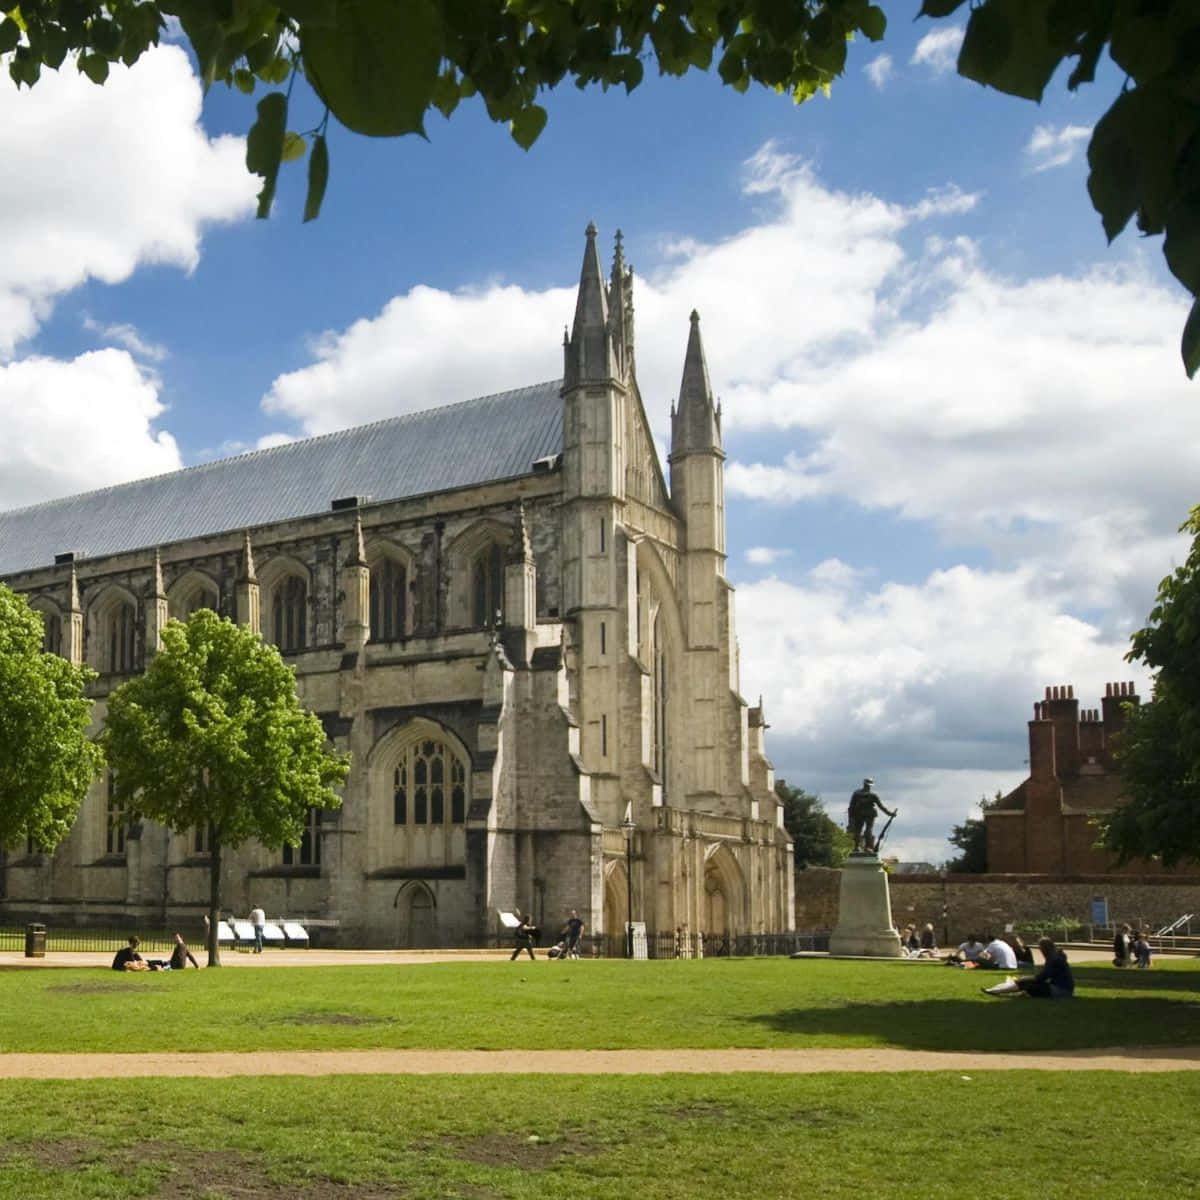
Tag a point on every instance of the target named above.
point(195, 599)
point(487, 586)
point(51, 633)
point(429, 785)
point(389, 600)
point(120, 637)
point(289, 613)
point(308, 853)
point(116, 822)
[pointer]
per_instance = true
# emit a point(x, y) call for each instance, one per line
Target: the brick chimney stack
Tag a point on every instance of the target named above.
point(1061, 707)
point(1116, 695)
point(1041, 743)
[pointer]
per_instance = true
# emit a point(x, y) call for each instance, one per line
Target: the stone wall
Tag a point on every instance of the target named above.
point(965, 904)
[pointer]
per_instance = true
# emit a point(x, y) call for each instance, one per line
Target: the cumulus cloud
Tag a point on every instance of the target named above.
point(73, 426)
point(1049, 147)
point(939, 50)
point(925, 686)
point(879, 70)
point(154, 179)
point(765, 555)
point(128, 336)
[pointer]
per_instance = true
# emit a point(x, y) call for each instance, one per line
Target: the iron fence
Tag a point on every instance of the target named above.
point(91, 938)
point(678, 944)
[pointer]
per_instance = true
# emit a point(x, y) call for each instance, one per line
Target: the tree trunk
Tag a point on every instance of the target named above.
point(214, 899)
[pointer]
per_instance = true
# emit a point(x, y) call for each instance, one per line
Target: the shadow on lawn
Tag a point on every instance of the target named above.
point(968, 1020)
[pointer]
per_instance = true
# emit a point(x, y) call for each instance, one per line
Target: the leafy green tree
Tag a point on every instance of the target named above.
point(1159, 749)
point(971, 838)
point(817, 840)
point(47, 760)
point(213, 735)
point(380, 66)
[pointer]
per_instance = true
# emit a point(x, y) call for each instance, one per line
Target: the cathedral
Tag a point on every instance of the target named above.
point(517, 626)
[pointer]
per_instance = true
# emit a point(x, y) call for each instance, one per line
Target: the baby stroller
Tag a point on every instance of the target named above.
point(558, 950)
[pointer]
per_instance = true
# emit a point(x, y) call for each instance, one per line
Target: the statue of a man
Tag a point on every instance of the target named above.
point(861, 822)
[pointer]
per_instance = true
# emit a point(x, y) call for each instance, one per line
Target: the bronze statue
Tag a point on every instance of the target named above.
point(861, 822)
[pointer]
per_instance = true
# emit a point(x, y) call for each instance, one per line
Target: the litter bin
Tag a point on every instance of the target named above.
point(35, 941)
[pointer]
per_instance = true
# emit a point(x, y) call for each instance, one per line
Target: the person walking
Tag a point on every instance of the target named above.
point(571, 931)
point(258, 920)
point(526, 933)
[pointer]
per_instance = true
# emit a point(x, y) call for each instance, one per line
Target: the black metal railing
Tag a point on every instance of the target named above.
point(92, 938)
point(679, 944)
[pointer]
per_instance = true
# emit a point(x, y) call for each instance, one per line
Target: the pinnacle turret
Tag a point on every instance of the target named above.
point(620, 309)
point(588, 355)
point(696, 421)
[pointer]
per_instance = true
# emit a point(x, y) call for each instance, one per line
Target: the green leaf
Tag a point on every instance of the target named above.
point(10, 34)
point(939, 8)
point(318, 177)
point(244, 80)
point(94, 66)
point(1181, 246)
point(294, 147)
point(874, 23)
point(376, 70)
point(264, 146)
point(311, 12)
point(1007, 46)
point(527, 125)
point(1190, 345)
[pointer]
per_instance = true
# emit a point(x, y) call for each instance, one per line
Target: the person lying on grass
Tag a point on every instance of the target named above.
point(1053, 981)
point(180, 957)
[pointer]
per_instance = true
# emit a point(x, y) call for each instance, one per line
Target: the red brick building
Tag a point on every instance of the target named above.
point(1044, 826)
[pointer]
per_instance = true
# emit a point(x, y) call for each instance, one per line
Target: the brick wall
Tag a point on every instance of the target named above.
point(978, 903)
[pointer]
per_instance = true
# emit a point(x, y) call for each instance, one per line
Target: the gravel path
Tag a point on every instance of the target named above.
point(579, 1062)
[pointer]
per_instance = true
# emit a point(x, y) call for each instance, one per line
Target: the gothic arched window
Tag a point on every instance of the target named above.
point(120, 637)
point(51, 633)
point(289, 613)
point(429, 785)
point(389, 600)
point(487, 586)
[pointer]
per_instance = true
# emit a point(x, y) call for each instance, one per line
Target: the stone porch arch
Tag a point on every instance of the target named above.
point(723, 893)
point(416, 916)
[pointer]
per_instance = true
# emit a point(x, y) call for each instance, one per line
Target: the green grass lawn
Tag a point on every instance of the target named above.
point(602, 1004)
point(576, 1137)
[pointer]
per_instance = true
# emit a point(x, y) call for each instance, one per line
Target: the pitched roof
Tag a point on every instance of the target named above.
point(477, 441)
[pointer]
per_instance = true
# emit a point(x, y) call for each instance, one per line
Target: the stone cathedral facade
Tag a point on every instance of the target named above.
point(516, 625)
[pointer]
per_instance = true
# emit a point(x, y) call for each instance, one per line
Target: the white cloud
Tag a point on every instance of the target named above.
point(153, 180)
point(879, 70)
point(939, 50)
point(129, 337)
point(765, 555)
point(1050, 147)
point(73, 426)
point(926, 687)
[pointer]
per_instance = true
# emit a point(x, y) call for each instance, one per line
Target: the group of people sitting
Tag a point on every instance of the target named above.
point(996, 953)
point(1009, 953)
point(128, 958)
point(918, 944)
point(1130, 947)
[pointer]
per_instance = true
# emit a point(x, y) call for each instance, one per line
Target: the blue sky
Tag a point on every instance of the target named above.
point(960, 441)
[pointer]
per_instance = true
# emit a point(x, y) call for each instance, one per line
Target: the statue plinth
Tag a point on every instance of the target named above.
point(864, 925)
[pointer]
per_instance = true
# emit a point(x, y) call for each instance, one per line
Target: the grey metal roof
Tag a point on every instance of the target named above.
point(491, 437)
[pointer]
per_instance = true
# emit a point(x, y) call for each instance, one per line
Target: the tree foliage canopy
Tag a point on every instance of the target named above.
point(1159, 749)
point(380, 66)
point(818, 840)
point(971, 839)
point(213, 736)
point(47, 760)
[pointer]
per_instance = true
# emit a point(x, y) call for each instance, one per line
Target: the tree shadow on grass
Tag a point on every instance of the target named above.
point(1094, 1019)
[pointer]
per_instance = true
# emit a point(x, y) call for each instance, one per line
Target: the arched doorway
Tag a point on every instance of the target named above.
point(416, 918)
point(616, 900)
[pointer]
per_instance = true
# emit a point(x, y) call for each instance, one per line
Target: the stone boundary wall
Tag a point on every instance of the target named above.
point(962, 904)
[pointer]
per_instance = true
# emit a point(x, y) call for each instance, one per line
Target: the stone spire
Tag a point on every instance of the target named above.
point(156, 608)
point(356, 592)
point(588, 355)
point(73, 633)
point(696, 421)
point(520, 594)
point(620, 309)
point(245, 590)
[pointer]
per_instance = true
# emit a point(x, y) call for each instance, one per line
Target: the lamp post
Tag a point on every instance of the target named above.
point(628, 828)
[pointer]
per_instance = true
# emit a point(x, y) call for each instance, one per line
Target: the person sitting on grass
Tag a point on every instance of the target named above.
point(968, 952)
point(1141, 949)
point(1053, 981)
point(128, 958)
point(997, 955)
point(180, 957)
point(1023, 953)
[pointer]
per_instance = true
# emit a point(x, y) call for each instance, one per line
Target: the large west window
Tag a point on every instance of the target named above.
point(429, 785)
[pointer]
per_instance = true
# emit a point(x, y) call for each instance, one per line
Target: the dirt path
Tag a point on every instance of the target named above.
point(579, 1062)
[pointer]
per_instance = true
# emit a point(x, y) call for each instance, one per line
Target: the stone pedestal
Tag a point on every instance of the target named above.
point(864, 924)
